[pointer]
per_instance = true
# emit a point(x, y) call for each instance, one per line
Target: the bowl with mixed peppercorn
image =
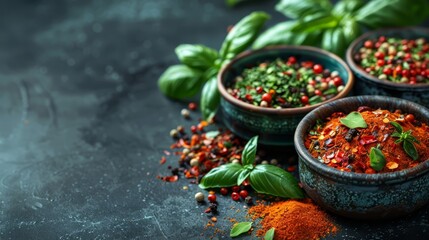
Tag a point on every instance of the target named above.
point(392, 62)
point(267, 92)
point(365, 157)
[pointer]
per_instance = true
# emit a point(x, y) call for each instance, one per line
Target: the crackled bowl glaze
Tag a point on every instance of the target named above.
point(367, 84)
point(360, 195)
point(275, 127)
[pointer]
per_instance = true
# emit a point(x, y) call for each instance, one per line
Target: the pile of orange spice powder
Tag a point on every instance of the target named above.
point(293, 219)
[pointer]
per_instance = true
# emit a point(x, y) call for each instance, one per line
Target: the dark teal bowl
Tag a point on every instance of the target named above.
point(367, 84)
point(275, 127)
point(360, 195)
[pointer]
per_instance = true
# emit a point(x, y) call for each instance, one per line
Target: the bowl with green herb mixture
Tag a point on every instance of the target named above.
point(266, 92)
point(365, 157)
point(392, 62)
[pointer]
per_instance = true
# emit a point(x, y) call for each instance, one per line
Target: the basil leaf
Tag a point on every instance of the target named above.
point(351, 30)
point(212, 134)
point(301, 8)
point(222, 176)
point(347, 7)
point(240, 228)
point(249, 151)
point(410, 149)
point(354, 120)
point(269, 235)
point(243, 34)
point(377, 159)
point(393, 13)
point(316, 23)
point(180, 81)
point(327, 39)
point(196, 56)
point(210, 98)
point(396, 134)
point(398, 127)
point(244, 174)
point(281, 34)
point(338, 44)
point(272, 180)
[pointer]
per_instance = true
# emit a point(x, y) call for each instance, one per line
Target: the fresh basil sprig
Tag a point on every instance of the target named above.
point(354, 120)
point(264, 178)
point(240, 228)
point(200, 65)
point(340, 24)
point(376, 159)
point(407, 140)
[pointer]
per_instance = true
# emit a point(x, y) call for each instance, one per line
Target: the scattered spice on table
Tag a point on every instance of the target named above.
point(286, 84)
point(292, 219)
point(395, 59)
point(391, 141)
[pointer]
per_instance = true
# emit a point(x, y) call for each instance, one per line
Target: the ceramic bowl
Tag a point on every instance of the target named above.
point(360, 195)
point(274, 126)
point(367, 84)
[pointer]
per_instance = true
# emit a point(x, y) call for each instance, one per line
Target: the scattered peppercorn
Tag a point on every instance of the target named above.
point(211, 198)
point(395, 59)
point(199, 196)
point(174, 133)
point(224, 191)
point(244, 193)
point(235, 196)
point(235, 189)
point(185, 113)
point(280, 84)
point(192, 106)
point(248, 200)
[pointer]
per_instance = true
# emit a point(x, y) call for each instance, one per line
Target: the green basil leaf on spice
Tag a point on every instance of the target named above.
point(410, 149)
point(397, 127)
point(377, 159)
point(180, 82)
point(393, 13)
point(222, 176)
point(240, 228)
point(249, 151)
point(210, 98)
point(212, 134)
point(302, 8)
point(244, 174)
point(196, 56)
point(354, 120)
point(269, 235)
point(243, 34)
point(272, 180)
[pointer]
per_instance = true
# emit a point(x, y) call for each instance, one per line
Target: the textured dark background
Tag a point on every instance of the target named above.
point(83, 125)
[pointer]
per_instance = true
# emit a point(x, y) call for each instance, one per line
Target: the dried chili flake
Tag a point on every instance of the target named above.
point(163, 160)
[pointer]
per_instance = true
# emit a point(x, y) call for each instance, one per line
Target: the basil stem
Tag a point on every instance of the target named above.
point(180, 81)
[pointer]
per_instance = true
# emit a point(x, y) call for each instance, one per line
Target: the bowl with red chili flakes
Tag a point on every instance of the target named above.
point(266, 92)
point(392, 62)
point(365, 157)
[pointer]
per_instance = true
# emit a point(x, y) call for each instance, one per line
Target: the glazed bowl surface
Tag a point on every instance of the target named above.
point(367, 84)
point(360, 195)
point(275, 127)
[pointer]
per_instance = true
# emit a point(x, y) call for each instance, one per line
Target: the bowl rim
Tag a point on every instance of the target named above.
point(357, 70)
point(284, 111)
point(331, 172)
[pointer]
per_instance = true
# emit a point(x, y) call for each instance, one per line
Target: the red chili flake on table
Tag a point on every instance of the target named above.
point(163, 160)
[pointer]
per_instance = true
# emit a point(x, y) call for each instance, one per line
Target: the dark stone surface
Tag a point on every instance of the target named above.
point(83, 125)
